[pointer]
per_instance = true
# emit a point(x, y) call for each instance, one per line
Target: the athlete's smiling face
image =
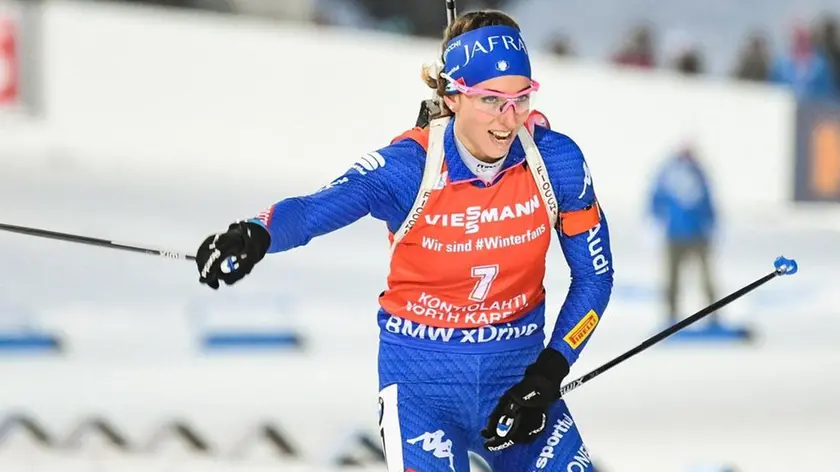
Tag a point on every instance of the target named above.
point(487, 123)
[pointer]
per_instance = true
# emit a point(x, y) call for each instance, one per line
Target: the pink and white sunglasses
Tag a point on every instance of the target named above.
point(493, 102)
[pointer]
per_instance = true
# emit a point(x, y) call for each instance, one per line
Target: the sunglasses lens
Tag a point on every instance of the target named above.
point(497, 105)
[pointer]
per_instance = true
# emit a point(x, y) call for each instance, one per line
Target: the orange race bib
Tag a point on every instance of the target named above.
point(475, 256)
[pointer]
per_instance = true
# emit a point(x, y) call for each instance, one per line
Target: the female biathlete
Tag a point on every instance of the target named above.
point(471, 200)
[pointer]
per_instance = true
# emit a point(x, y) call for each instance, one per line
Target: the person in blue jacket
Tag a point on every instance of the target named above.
point(682, 203)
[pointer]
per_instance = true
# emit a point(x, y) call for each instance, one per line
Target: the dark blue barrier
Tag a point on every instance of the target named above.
point(259, 341)
point(28, 342)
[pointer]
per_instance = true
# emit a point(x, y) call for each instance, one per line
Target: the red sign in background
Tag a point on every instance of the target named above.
point(9, 62)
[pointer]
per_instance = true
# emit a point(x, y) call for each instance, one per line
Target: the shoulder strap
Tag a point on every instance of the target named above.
point(420, 135)
point(538, 170)
point(431, 175)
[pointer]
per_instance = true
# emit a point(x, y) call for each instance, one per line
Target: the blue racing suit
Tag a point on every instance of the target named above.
point(439, 385)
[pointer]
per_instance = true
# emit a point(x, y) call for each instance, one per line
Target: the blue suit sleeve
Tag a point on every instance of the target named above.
point(379, 184)
point(587, 253)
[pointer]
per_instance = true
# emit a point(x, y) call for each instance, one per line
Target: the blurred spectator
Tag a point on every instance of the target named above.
point(341, 13)
point(805, 70)
point(560, 45)
point(638, 50)
point(827, 39)
point(682, 53)
point(681, 202)
point(754, 60)
point(689, 62)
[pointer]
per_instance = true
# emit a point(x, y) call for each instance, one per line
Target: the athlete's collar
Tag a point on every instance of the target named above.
point(459, 172)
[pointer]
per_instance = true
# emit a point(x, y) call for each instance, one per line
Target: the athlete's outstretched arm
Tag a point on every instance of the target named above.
point(585, 240)
point(371, 186)
point(382, 183)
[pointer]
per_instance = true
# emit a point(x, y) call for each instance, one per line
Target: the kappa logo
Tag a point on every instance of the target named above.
point(434, 443)
point(587, 180)
point(382, 426)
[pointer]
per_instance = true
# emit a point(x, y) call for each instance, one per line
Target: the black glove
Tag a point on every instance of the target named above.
point(231, 255)
point(521, 414)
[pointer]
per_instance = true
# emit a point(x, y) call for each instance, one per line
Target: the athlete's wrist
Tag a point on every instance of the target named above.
point(550, 365)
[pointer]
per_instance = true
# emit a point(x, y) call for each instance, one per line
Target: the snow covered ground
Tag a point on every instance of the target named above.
point(131, 323)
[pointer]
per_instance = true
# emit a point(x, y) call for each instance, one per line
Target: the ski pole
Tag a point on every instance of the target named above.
point(74, 238)
point(783, 266)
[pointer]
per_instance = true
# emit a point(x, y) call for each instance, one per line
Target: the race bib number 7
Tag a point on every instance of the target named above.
point(485, 275)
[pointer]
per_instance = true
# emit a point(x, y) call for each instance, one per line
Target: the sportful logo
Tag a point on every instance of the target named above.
point(561, 427)
point(369, 162)
point(434, 443)
point(474, 215)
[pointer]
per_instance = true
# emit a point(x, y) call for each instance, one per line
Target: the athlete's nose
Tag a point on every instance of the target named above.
point(508, 117)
